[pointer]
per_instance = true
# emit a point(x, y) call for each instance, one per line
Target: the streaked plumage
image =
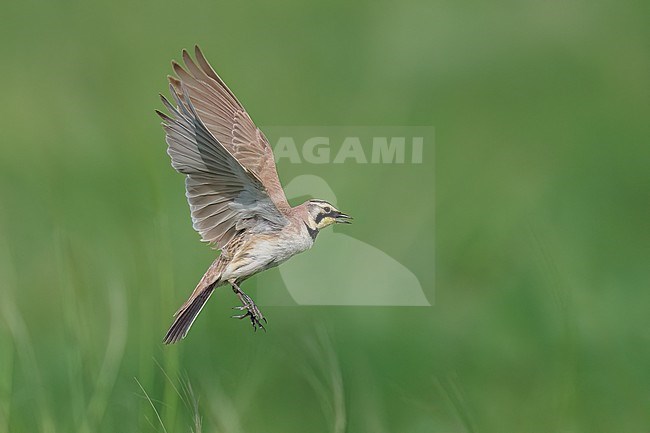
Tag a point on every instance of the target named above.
point(236, 200)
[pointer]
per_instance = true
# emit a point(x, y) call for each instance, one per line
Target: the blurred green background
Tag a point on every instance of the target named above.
point(541, 317)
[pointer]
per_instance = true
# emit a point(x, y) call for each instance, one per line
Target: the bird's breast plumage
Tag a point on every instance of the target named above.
point(266, 250)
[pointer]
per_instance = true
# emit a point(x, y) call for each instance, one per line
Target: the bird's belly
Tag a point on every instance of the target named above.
point(260, 257)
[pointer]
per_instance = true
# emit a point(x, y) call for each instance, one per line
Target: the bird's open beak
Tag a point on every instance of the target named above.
point(343, 218)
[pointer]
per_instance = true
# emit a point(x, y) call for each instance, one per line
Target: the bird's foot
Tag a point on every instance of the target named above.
point(251, 310)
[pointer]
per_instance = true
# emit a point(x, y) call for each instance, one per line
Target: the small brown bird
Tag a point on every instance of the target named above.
point(236, 200)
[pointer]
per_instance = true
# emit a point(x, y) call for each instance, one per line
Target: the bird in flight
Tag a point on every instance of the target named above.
point(236, 200)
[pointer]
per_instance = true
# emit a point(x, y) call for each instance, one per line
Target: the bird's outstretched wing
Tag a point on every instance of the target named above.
point(227, 120)
point(227, 193)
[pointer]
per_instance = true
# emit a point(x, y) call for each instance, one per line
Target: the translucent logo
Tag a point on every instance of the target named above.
point(383, 176)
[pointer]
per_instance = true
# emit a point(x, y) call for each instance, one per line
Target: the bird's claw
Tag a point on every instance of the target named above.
point(252, 312)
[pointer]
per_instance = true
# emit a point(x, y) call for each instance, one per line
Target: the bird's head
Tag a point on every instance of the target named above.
point(323, 214)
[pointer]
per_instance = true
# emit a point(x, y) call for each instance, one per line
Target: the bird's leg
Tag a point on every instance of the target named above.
point(249, 306)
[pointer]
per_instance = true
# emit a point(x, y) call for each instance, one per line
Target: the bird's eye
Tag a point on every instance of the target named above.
point(327, 209)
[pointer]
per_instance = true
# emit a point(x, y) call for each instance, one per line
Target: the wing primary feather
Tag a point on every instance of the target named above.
point(209, 71)
point(164, 117)
point(177, 99)
point(170, 107)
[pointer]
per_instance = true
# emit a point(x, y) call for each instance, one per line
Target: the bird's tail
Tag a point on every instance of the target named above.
point(186, 315)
